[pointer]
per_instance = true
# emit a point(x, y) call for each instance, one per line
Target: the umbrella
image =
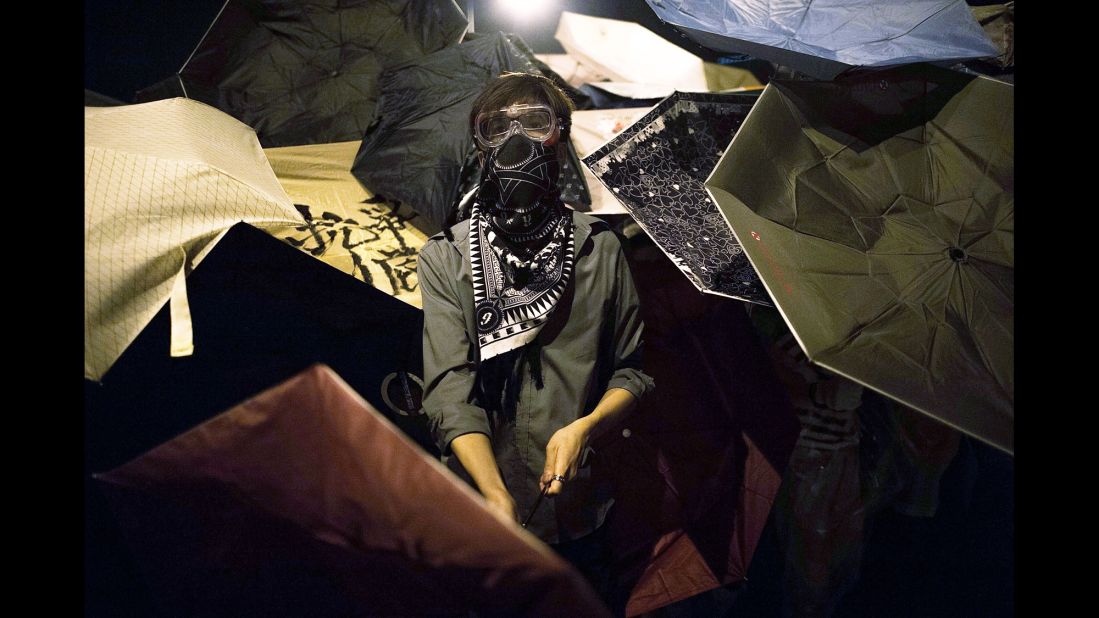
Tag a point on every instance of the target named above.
point(591, 129)
point(95, 99)
point(605, 99)
point(656, 168)
point(626, 51)
point(998, 22)
point(262, 312)
point(419, 150)
point(345, 226)
point(162, 182)
point(879, 213)
point(570, 69)
point(717, 76)
point(306, 72)
point(304, 500)
point(825, 38)
point(701, 466)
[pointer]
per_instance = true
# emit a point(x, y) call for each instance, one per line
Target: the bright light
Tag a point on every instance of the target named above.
point(524, 9)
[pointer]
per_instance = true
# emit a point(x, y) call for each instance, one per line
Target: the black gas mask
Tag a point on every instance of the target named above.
point(520, 171)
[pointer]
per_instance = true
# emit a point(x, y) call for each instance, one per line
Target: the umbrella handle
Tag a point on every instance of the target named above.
point(537, 503)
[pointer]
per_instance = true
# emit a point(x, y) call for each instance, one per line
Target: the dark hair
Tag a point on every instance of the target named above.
point(511, 88)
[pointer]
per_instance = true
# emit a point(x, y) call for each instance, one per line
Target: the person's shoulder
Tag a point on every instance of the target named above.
point(599, 231)
point(591, 221)
point(451, 237)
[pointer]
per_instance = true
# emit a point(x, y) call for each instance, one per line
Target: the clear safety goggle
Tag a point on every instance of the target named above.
point(537, 121)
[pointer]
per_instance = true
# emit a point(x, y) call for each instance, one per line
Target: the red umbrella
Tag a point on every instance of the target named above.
point(304, 500)
point(706, 450)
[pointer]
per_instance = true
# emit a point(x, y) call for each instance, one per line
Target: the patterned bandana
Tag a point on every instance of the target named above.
point(513, 296)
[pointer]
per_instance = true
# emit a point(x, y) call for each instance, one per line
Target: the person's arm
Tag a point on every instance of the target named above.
point(457, 423)
point(625, 388)
point(568, 443)
point(475, 452)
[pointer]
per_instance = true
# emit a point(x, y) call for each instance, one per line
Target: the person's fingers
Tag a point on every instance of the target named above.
point(548, 469)
point(561, 473)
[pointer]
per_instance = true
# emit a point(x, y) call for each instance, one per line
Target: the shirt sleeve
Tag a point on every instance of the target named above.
point(628, 332)
point(449, 374)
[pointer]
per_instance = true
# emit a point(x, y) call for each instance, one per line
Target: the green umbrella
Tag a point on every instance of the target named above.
point(878, 211)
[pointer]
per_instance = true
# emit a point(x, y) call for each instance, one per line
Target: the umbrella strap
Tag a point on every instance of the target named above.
point(180, 311)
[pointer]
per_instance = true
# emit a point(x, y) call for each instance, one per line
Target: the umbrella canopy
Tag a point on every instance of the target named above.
point(304, 500)
point(879, 212)
point(823, 38)
point(420, 151)
point(998, 21)
point(702, 465)
point(345, 225)
point(162, 182)
point(306, 72)
point(626, 51)
point(262, 312)
point(570, 69)
point(717, 76)
point(590, 130)
point(656, 168)
point(95, 99)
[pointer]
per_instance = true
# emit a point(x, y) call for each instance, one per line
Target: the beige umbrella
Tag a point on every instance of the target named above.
point(625, 51)
point(346, 227)
point(162, 182)
point(576, 73)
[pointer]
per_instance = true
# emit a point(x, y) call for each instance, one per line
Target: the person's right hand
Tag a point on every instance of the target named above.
point(503, 506)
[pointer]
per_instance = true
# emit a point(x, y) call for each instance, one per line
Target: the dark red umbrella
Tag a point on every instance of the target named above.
point(706, 450)
point(304, 500)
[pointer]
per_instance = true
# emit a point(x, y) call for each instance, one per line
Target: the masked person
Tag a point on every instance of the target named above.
point(532, 330)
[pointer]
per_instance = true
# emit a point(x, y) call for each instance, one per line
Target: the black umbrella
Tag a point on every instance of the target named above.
point(261, 311)
point(306, 72)
point(419, 149)
point(656, 168)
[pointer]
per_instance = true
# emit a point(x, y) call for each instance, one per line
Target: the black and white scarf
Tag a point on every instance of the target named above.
point(514, 294)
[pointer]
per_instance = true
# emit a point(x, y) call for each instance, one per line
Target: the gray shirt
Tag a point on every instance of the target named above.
point(592, 342)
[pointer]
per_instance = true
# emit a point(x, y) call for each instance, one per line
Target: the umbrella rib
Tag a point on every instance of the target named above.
point(204, 35)
point(1005, 296)
point(986, 358)
point(895, 36)
point(970, 155)
point(899, 298)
